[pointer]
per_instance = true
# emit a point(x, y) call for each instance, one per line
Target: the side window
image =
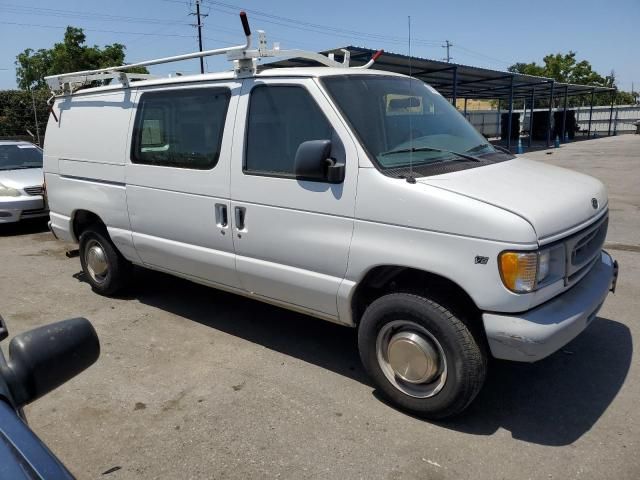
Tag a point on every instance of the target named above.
point(180, 128)
point(280, 119)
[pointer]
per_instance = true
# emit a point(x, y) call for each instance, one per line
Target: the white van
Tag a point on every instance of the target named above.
point(353, 195)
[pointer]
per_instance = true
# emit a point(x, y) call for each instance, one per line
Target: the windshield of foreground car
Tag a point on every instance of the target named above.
point(15, 157)
point(402, 121)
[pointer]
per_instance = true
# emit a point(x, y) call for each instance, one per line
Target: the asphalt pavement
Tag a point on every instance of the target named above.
point(196, 383)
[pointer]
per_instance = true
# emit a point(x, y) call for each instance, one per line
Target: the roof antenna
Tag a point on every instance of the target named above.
point(410, 177)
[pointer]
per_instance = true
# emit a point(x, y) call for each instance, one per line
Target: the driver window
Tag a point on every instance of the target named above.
point(281, 117)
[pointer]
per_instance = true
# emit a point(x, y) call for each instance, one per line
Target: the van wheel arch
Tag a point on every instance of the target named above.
point(85, 219)
point(386, 279)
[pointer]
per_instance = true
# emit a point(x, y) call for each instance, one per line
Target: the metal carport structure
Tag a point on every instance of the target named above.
point(455, 81)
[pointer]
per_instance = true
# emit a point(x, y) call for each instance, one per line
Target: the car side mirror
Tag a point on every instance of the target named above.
point(46, 357)
point(313, 162)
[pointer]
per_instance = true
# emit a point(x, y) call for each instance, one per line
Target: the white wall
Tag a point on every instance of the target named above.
point(487, 122)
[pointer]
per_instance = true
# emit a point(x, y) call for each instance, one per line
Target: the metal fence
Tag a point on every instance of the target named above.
point(488, 122)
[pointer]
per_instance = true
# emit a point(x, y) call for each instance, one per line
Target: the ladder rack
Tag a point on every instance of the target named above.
point(243, 57)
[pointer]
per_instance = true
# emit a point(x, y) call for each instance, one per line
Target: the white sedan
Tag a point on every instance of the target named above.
point(21, 182)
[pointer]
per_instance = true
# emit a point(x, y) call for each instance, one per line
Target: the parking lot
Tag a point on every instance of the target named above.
point(197, 383)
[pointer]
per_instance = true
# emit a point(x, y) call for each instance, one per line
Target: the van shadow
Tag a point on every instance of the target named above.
point(321, 343)
point(551, 402)
point(24, 227)
point(556, 400)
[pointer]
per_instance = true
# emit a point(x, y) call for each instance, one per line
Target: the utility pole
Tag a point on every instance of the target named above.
point(199, 26)
point(35, 115)
point(447, 45)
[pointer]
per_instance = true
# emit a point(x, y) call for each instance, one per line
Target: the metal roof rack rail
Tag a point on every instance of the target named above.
point(243, 57)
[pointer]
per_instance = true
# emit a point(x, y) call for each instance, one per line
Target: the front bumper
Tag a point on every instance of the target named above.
point(537, 333)
point(13, 209)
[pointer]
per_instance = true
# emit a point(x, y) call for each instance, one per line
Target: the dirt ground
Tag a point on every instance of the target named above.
point(196, 383)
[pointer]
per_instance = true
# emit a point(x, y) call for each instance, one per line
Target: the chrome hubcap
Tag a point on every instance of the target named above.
point(411, 358)
point(96, 261)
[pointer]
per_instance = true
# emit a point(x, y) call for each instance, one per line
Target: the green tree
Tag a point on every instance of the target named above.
point(17, 115)
point(72, 54)
point(528, 69)
point(565, 68)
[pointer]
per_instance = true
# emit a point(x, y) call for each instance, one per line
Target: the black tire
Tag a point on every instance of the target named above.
point(119, 269)
point(466, 360)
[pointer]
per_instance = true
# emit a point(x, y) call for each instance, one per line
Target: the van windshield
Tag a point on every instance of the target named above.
point(402, 122)
point(14, 157)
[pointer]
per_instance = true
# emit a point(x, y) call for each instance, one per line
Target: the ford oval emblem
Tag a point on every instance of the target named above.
point(594, 203)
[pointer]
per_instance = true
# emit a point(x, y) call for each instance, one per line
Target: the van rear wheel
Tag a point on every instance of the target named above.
point(421, 356)
point(106, 270)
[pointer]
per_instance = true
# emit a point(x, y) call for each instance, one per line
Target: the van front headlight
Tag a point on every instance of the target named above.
point(8, 191)
point(519, 270)
point(523, 272)
point(544, 265)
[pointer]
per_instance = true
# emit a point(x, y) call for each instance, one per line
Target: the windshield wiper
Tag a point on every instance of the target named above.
point(478, 147)
point(432, 149)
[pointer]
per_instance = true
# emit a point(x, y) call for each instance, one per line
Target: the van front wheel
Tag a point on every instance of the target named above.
point(420, 355)
point(106, 270)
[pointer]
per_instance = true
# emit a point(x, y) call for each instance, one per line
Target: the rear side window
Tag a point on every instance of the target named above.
point(280, 119)
point(180, 128)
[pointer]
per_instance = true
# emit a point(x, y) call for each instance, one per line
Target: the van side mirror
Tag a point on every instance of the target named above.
point(313, 162)
point(44, 358)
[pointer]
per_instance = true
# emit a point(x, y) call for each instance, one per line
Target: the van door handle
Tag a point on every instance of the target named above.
point(240, 213)
point(222, 219)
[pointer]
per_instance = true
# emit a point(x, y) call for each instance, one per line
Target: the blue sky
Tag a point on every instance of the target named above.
point(488, 33)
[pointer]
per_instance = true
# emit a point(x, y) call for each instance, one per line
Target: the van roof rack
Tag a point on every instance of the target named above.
point(243, 57)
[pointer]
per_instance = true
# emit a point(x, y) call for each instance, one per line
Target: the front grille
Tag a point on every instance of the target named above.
point(35, 190)
point(588, 245)
point(584, 269)
point(583, 250)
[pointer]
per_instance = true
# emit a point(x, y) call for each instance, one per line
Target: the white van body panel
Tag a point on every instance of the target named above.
point(295, 243)
point(163, 202)
point(98, 125)
point(427, 229)
point(503, 184)
point(84, 163)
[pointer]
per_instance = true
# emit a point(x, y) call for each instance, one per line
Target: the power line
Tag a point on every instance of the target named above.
point(50, 12)
point(313, 27)
point(482, 55)
point(236, 31)
point(96, 30)
point(219, 40)
point(266, 17)
point(340, 32)
point(319, 31)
